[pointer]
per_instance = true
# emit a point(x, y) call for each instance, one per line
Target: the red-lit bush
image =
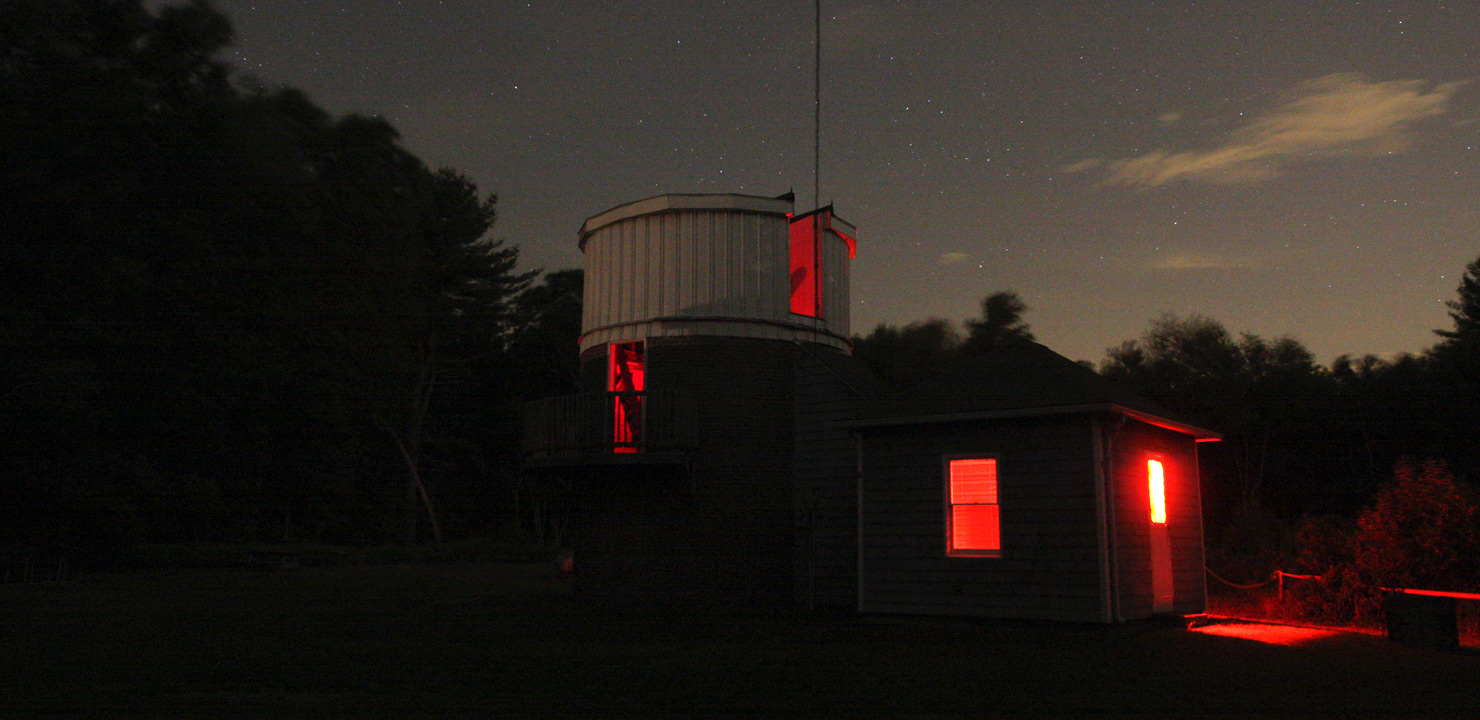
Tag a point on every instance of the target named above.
point(1423, 531)
point(1325, 547)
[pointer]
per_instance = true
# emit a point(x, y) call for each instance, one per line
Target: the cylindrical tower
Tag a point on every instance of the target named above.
point(699, 311)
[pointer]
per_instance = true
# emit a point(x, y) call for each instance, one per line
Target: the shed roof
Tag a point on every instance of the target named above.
point(1020, 380)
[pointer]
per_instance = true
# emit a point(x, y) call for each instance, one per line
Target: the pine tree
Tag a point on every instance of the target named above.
point(1465, 312)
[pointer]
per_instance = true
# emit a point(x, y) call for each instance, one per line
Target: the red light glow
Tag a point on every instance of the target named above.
point(625, 377)
point(1270, 634)
point(974, 527)
point(1158, 492)
point(852, 243)
point(805, 278)
point(974, 481)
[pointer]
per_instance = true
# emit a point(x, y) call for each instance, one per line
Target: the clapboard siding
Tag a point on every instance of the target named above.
point(1050, 559)
point(1132, 445)
point(725, 535)
point(830, 386)
point(704, 265)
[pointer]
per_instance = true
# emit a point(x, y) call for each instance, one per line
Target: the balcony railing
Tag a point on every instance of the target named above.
point(608, 423)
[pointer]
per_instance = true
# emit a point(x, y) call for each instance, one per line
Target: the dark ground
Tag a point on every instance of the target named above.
point(509, 640)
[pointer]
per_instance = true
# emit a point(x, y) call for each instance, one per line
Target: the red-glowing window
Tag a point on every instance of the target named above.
point(972, 526)
point(806, 264)
point(1157, 480)
point(624, 380)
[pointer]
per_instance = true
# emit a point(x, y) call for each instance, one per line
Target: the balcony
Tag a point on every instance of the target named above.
point(604, 427)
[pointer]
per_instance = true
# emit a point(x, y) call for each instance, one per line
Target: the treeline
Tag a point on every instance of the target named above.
point(228, 315)
point(1301, 439)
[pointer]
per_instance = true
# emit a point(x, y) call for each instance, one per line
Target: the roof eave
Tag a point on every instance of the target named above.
point(1200, 434)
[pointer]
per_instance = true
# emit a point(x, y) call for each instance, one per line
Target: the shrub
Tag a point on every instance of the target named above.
point(1423, 531)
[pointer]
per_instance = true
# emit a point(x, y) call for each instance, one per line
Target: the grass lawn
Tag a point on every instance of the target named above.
point(506, 640)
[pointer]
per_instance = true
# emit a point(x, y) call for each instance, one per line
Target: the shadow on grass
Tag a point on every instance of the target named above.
point(510, 639)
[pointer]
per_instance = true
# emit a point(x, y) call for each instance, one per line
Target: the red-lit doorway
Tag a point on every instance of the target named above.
point(1162, 590)
point(625, 383)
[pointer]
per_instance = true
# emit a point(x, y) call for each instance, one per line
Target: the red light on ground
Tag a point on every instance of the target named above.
point(1268, 634)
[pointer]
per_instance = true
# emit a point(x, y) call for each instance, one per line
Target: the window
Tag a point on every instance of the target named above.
point(1163, 592)
point(624, 380)
point(1157, 480)
point(972, 527)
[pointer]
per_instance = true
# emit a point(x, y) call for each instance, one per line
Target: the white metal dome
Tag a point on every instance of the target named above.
point(685, 265)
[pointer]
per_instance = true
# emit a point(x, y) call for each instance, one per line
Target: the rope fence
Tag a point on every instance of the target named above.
point(1240, 586)
point(1280, 575)
point(1275, 576)
point(1426, 619)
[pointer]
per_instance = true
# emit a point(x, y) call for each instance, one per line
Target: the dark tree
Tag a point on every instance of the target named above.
point(1465, 311)
point(901, 355)
point(1001, 324)
point(1454, 366)
point(228, 315)
point(542, 351)
point(1267, 397)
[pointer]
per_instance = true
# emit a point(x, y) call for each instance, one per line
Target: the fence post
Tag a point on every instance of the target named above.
point(1281, 576)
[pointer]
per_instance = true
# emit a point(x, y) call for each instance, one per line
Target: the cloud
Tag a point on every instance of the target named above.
point(951, 258)
point(1169, 118)
point(1200, 262)
point(1341, 114)
point(1083, 165)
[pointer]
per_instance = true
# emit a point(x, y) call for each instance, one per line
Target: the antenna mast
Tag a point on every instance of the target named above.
point(817, 105)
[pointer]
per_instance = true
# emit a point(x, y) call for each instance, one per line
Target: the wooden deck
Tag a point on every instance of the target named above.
point(585, 426)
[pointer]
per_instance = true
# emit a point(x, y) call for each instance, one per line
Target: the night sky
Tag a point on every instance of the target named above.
point(1288, 168)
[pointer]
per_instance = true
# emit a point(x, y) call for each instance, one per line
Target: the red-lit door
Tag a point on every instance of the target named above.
point(1162, 590)
point(625, 382)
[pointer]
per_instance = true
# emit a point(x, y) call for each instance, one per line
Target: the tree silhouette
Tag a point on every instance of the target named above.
point(1465, 311)
point(1265, 396)
point(219, 297)
point(1453, 367)
point(1001, 324)
point(901, 355)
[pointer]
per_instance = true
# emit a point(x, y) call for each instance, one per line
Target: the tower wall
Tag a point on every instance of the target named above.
point(711, 265)
point(707, 285)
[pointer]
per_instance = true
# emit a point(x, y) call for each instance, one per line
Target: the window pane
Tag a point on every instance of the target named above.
point(1158, 491)
point(625, 373)
point(974, 527)
point(625, 379)
point(974, 481)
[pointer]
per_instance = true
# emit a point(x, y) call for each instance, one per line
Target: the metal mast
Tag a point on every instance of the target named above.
point(817, 105)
